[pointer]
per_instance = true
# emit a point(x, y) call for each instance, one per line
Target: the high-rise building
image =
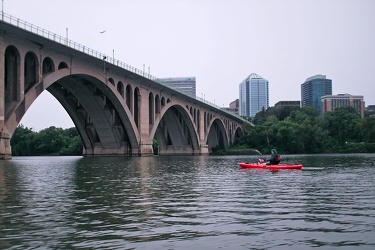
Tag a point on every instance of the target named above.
point(186, 85)
point(313, 89)
point(331, 102)
point(253, 95)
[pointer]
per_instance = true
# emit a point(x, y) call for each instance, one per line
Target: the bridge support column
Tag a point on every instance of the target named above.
point(145, 148)
point(204, 149)
point(5, 149)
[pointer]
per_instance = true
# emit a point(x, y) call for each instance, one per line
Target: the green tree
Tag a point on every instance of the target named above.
point(49, 141)
point(284, 112)
point(343, 124)
point(368, 129)
point(260, 117)
point(305, 114)
point(22, 141)
point(287, 137)
point(74, 147)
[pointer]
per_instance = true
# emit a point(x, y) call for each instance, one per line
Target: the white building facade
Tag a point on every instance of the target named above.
point(186, 85)
point(254, 95)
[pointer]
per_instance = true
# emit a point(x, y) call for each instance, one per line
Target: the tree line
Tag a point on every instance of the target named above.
point(49, 141)
point(295, 130)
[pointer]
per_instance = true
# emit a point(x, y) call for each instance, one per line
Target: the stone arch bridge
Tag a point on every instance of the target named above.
point(117, 109)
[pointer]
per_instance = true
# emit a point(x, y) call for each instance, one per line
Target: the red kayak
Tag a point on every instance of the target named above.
point(272, 167)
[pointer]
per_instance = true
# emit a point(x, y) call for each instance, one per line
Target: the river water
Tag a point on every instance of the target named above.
point(181, 202)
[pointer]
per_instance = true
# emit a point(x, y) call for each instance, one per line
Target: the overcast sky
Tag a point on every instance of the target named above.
point(218, 42)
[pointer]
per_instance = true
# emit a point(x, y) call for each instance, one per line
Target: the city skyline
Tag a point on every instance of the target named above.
point(218, 42)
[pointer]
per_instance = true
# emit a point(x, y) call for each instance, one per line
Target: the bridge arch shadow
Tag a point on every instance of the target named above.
point(175, 131)
point(217, 136)
point(104, 124)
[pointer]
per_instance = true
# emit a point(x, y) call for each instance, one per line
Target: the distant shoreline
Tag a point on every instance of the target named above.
point(238, 152)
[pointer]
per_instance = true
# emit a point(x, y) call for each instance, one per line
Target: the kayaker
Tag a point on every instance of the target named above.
point(275, 158)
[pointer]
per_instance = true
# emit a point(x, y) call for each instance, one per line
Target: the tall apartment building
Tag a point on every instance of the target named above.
point(331, 102)
point(186, 85)
point(313, 89)
point(254, 95)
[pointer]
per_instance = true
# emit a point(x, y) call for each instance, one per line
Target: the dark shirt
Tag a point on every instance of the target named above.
point(274, 160)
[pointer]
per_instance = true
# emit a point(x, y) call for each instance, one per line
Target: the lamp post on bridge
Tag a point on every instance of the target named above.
point(104, 57)
point(67, 36)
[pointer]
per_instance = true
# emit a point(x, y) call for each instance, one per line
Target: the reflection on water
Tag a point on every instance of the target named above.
point(180, 202)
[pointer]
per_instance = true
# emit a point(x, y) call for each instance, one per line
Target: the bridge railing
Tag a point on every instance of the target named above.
point(65, 41)
point(74, 45)
point(218, 107)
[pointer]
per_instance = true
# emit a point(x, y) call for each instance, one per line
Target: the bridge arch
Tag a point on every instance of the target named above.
point(237, 134)
point(129, 98)
point(11, 76)
point(120, 88)
point(175, 131)
point(97, 111)
point(157, 104)
point(150, 108)
point(217, 136)
point(104, 125)
point(31, 71)
point(62, 65)
point(48, 66)
point(136, 106)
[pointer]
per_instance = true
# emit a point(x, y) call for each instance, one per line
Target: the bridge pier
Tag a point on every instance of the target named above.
point(204, 149)
point(145, 148)
point(5, 149)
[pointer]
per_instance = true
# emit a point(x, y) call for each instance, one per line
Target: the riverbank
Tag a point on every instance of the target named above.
point(348, 148)
point(236, 152)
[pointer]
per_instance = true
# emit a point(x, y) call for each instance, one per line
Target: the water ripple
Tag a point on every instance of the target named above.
point(180, 202)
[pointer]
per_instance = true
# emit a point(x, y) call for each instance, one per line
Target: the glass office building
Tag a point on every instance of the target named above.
point(313, 89)
point(253, 95)
point(186, 85)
